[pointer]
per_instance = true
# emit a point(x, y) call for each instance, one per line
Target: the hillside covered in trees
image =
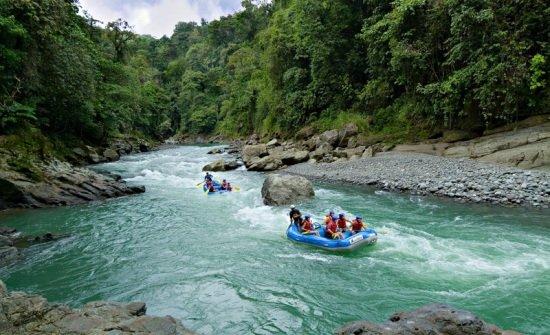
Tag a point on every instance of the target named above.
point(403, 68)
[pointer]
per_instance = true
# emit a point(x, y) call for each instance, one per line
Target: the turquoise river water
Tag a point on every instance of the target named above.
point(222, 263)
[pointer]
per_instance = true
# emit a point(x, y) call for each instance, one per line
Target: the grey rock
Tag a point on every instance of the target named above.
point(111, 154)
point(273, 143)
point(330, 136)
point(267, 163)
point(434, 319)
point(8, 255)
point(61, 184)
point(215, 151)
point(22, 313)
point(253, 152)
point(221, 165)
point(285, 189)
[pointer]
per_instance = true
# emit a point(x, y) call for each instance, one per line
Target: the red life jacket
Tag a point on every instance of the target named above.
point(331, 227)
point(307, 225)
point(342, 223)
point(356, 225)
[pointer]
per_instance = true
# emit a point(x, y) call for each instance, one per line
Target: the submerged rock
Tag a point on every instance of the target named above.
point(22, 313)
point(434, 319)
point(285, 189)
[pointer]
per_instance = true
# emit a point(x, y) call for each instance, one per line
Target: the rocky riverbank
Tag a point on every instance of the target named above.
point(461, 179)
point(58, 183)
point(436, 319)
point(22, 313)
point(33, 174)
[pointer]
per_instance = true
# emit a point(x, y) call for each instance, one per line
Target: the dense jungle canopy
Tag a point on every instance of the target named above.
point(404, 68)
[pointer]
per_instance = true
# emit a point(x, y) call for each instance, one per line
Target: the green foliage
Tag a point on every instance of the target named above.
point(62, 73)
point(399, 69)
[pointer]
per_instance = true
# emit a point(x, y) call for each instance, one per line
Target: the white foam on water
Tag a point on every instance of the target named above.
point(262, 216)
point(309, 257)
point(156, 176)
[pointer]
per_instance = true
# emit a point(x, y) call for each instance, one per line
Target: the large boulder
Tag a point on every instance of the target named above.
point(330, 136)
point(221, 165)
point(305, 133)
point(267, 163)
point(346, 133)
point(285, 189)
point(526, 156)
point(323, 150)
point(436, 319)
point(253, 152)
point(292, 157)
point(111, 154)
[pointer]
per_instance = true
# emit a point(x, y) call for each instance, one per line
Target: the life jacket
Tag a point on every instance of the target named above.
point(331, 227)
point(224, 186)
point(307, 225)
point(341, 223)
point(356, 225)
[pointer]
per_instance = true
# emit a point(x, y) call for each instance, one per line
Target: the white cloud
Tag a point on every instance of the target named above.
point(158, 17)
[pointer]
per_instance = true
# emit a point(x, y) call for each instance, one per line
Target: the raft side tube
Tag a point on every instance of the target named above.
point(349, 242)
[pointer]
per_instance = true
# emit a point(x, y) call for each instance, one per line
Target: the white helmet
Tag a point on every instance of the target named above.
point(292, 206)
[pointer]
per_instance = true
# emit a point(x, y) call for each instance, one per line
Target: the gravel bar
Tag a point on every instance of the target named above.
point(463, 179)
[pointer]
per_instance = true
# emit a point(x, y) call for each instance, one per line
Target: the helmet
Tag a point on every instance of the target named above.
point(334, 217)
point(359, 218)
point(331, 213)
point(307, 216)
point(292, 206)
point(224, 180)
point(341, 215)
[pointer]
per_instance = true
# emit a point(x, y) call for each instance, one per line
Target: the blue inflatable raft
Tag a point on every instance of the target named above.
point(217, 187)
point(349, 242)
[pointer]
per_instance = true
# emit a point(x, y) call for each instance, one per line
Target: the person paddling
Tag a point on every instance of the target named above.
point(229, 187)
point(331, 229)
point(329, 216)
point(208, 177)
point(224, 185)
point(295, 216)
point(307, 226)
point(210, 186)
point(342, 222)
point(357, 225)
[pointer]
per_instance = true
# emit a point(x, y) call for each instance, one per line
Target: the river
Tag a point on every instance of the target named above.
point(222, 263)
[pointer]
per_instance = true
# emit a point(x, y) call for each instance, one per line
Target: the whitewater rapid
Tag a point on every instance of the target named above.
point(222, 263)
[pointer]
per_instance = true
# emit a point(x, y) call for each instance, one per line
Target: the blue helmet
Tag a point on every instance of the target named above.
point(341, 215)
point(334, 217)
point(307, 216)
point(359, 218)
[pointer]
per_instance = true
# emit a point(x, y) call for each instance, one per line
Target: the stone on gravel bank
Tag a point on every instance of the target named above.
point(434, 319)
point(22, 313)
point(285, 189)
point(462, 179)
point(60, 183)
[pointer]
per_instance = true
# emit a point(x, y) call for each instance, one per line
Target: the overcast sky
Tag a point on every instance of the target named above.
point(158, 17)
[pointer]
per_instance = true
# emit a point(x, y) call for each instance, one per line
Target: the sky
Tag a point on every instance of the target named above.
point(158, 17)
